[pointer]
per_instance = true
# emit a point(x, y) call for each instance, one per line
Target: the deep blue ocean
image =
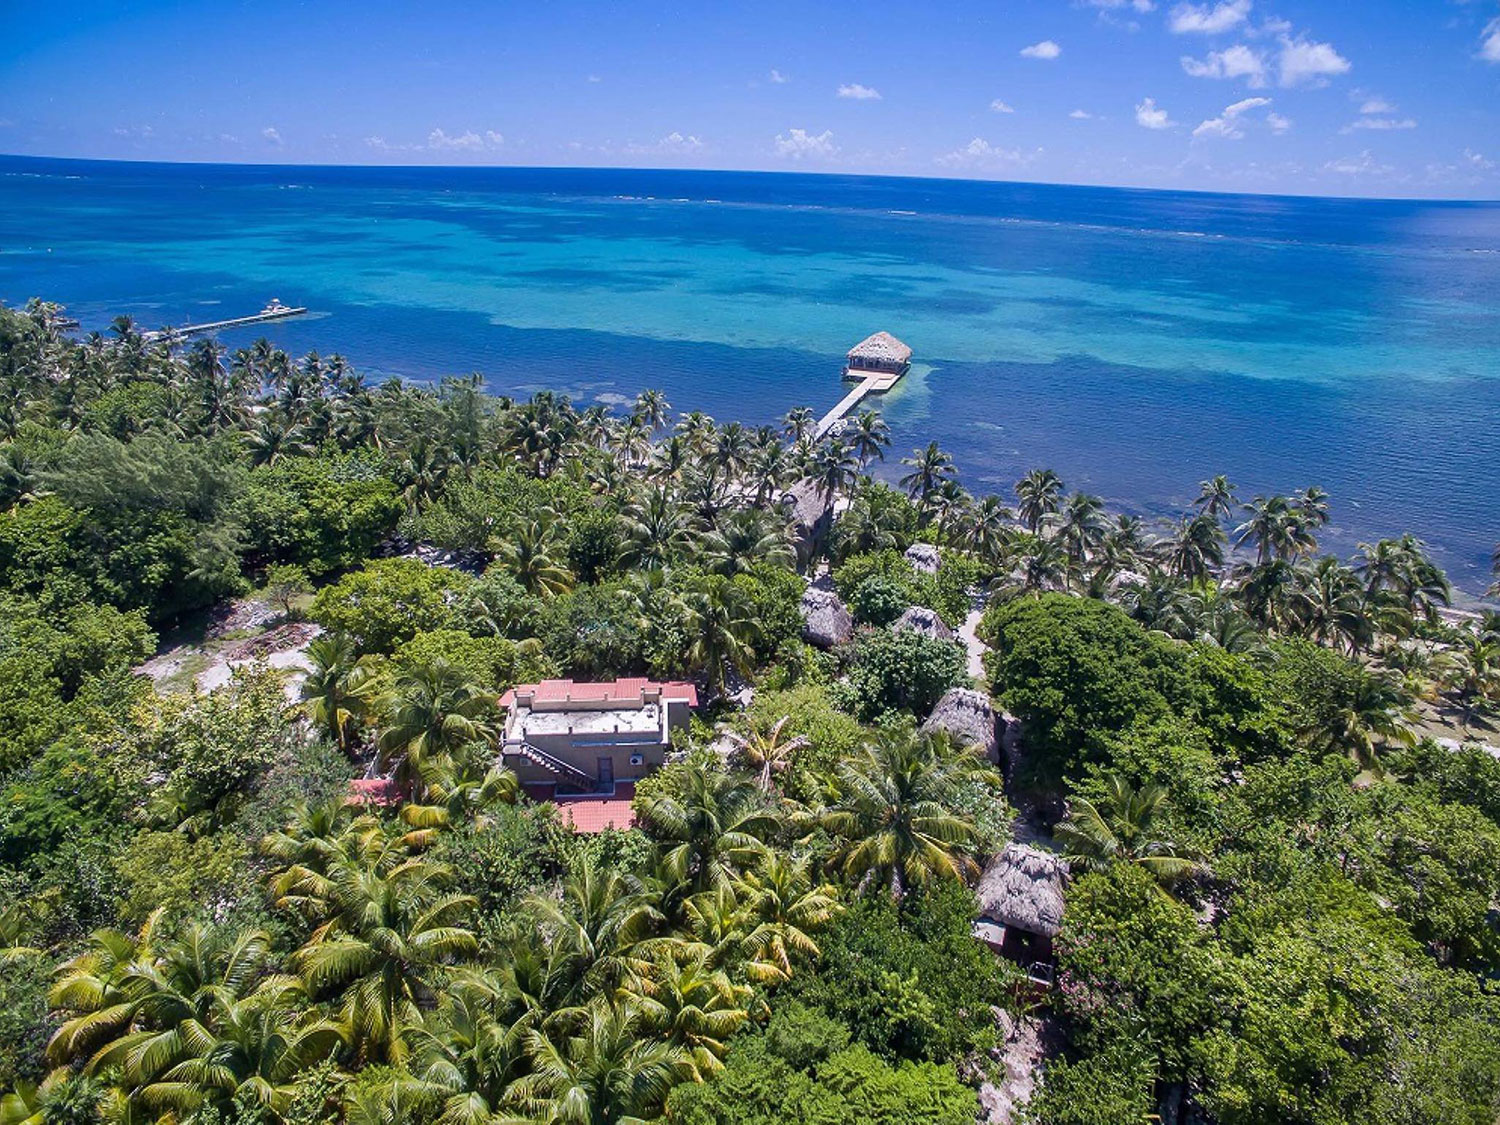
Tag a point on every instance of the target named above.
point(1135, 341)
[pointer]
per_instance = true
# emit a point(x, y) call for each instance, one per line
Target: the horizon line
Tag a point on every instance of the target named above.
point(250, 164)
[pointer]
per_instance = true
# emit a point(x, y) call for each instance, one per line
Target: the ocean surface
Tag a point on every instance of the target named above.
point(1134, 341)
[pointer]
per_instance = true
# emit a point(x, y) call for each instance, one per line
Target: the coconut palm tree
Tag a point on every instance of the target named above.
point(799, 423)
point(690, 1004)
point(1399, 569)
point(869, 435)
point(532, 554)
point(600, 1071)
point(455, 795)
point(1471, 672)
point(1121, 827)
point(1376, 713)
point(432, 711)
point(762, 748)
point(930, 467)
point(1080, 527)
point(747, 537)
point(341, 688)
point(1195, 549)
point(1039, 493)
point(1279, 528)
point(1035, 566)
point(1216, 498)
point(785, 909)
point(987, 529)
point(652, 409)
point(655, 530)
point(391, 935)
point(1330, 606)
point(894, 821)
point(723, 628)
point(835, 468)
point(769, 469)
point(711, 828)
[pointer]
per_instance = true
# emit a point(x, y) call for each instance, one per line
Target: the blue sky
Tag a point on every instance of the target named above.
point(1375, 97)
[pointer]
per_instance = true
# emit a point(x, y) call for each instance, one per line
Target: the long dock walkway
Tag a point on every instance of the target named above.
point(233, 322)
point(875, 383)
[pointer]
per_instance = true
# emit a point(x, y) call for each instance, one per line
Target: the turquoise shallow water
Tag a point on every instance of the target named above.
point(1134, 341)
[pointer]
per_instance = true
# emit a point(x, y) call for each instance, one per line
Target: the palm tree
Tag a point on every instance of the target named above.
point(655, 531)
point(869, 435)
point(987, 531)
point(1471, 671)
point(532, 555)
point(835, 468)
point(1037, 565)
point(1278, 527)
point(1331, 609)
point(340, 689)
point(433, 711)
point(711, 829)
point(602, 1071)
point(1039, 493)
point(761, 748)
point(930, 467)
point(1081, 527)
point(744, 539)
point(894, 820)
point(1216, 498)
point(1120, 827)
point(1376, 713)
point(391, 936)
point(1196, 548)
point(723, 629)
point(785, 908)
point(799, 423)
point(456, 795)
point(1312, 504)
point(1400, 569)
point(652, 409)
point(1268, 595)
point(691, 1004)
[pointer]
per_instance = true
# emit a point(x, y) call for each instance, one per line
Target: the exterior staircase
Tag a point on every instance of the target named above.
point(552, 763)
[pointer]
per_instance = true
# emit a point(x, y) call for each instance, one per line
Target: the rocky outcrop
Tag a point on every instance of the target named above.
point(825, 620)
point(969, 717)
point(925, 621)
point(924, 557)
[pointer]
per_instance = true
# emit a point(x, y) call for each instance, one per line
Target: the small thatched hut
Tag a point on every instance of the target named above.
point(810, 510)
point(1021, 903)
point(924, 557)
point(920, 619)
point(968, 716)
point(825, 621)
point(881, 353)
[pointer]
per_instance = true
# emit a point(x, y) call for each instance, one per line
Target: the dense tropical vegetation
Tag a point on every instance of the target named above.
point(1282, 905)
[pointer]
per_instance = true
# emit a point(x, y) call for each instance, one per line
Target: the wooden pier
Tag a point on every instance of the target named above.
point(281, 312)
point(878, 363)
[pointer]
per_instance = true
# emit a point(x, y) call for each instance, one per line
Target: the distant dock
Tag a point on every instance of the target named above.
point(879, 362)
point(274, 311)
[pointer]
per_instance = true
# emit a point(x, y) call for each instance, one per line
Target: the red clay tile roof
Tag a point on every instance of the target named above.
point(589, 814)
point(626, 691)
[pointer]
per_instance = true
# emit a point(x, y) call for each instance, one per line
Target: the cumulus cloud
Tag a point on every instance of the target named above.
point(1148, 116)
point(467, 141)
point(1362, 165)
point(1081, 115)
point(1228, 124)
point(1046, 49)
point(859, 93)
point(979, 153)
point(776, 78)
point(271, 136)
point(1278, 123)
point(673, 144)
point(1238, 61)
point(1489, 41)
point(799, 144)
point(1478, 160)
point(1302, 60)
point(1376, 104)
point(997, 106)
point(1203, 19)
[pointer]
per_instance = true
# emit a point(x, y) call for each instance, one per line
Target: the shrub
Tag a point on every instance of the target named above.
point(879, 600)
point(391, 601)
point(903, 671)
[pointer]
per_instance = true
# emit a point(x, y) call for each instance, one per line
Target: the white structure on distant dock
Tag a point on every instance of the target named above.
point(878, 362)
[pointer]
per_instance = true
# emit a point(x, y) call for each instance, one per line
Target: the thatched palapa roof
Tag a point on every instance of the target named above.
point(920, 619)
point(881, 346)
point(1022, 887)
point(969, 717)
point(825, 620)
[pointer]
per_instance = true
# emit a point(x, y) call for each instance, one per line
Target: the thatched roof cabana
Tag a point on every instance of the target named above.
point(969, 717)
point(920, 619)
point(1022, 889)
point(825, 621)
point(880, 352)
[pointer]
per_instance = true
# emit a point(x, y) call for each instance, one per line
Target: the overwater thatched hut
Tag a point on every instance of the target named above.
point(1021, 905)
point(878, 354)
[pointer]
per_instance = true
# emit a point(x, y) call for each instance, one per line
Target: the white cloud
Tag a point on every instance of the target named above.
point(1148, 116)
point(271, 135)
point(1046, 49)
point(1302, 60)
point(1489, 41)
point(1362, 165)
point(594, 78)
point(1477, 159)
point(673, 144)
point(1278, 123)
point(998, 106)
point(979, 153)
point(798, 144)
point(1081, 115)
point(468, 141)
point(1201, 19)
point(776, 78)
point(859, 93)
point(1238, 61)
point(1380, 124)
point(1228, 124)
point(1376, 104)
